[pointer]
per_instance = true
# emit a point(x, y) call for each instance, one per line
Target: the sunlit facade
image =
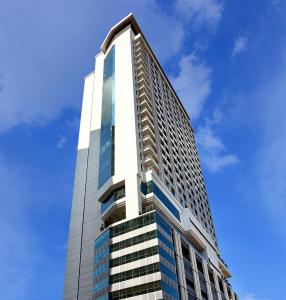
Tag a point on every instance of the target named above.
point(141, 225)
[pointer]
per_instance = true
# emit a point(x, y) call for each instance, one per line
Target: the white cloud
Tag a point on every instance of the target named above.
point(260, 114)
point(215, 163)
point(251, 296)
point(208, 140)
point(240, 45)
point(193, 84)
point(213, 150)
point(201, 11)
point(69, 128)
point(46, 76)
point(270, 163)
point(61, 141)
point(154, 22)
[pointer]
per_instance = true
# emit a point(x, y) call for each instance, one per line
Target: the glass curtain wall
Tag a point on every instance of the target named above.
point(106, 156)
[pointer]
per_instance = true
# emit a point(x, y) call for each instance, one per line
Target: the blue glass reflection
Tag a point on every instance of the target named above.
point(168, 289)
point(163, 224)
point(166, 271)
point(106, 156)
point(101, 266)
point(164, 240)
point(167, 256)
point(107, 204)
point(110, 199)
point(150, 187)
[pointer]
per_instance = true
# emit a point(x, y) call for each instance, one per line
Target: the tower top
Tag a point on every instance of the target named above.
point(128, 20)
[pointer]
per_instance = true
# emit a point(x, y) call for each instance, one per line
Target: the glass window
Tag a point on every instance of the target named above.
point(136, 290)
point(165, 270)
point(114, 196)
point(149, 187)
point(134, 256)
point(134, 240)
point(167, 256)
point(170, 290)
point(132, 224)
point(106, 156)
point(101, 266)
point(145, 270)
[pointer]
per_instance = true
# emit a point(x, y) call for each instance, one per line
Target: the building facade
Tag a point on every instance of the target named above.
point(141, 225)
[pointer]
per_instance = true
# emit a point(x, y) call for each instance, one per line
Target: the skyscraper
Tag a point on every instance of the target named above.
point(141, 225)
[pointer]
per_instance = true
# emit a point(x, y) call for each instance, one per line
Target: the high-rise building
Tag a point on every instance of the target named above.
point(141, 225)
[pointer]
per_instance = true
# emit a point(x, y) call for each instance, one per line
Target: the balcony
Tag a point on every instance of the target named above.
point(144, 87)
point(154, 169)
point(141, 60)
point(146, 113)
point(150, 159)
point(143, 67)
point(115, 215)
point(145, 104)
point(141, 54)
point(146, 121)
point(148, 130)
point(112, 198)
point(138, 47)
point(142, 78)
point(144, 92)
point(148, 140)
point(151, 163)
point(149, 150)
point(144, 96)
point(142, 75)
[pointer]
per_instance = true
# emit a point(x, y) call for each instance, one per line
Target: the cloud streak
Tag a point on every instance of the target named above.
point(240, 45)
point(193, 83)
point(55, 56)
point(44, 80)
point(201, 12)
point(213, 153)
point(252, 296)
point(270, 156)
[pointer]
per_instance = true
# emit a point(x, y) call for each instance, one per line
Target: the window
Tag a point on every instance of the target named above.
point(112, 197)
point(106, 155)
point(185, 251)
point(134, 240)
point(136, 290)
point(101, 265)
point(134, 273)
point(132, 224)
point(150, 187)
point(133, 256)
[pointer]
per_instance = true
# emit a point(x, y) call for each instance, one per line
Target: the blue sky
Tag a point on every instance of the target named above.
point(226, 59)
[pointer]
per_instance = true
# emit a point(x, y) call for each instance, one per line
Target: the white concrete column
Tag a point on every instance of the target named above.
point(232, 294)
point(225, 290)
point(207, 279)
point(195, 272)
point(180, 266)
point(217, 286)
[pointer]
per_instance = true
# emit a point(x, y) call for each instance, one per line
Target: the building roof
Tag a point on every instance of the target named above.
point(130, 20)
